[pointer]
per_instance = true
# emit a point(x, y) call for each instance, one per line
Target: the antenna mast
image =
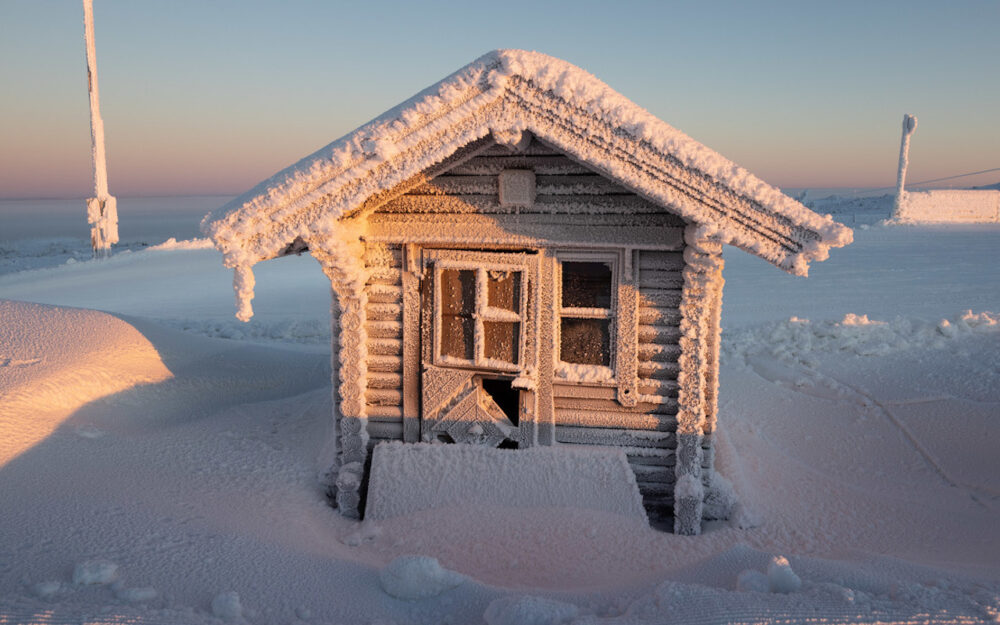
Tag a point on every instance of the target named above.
point(102, 209)
point(909, 125)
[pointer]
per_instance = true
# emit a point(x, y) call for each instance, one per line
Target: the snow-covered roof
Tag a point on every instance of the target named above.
point(504, 93)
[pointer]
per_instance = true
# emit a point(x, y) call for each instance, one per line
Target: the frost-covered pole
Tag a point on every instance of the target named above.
point(102, 210)
point(909, 125)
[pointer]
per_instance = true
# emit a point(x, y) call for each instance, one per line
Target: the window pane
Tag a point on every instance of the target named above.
point(502, 339)
point(586, 341)
point(457, 337)
point(504, 290)
point(586, 285)
point(458, 304)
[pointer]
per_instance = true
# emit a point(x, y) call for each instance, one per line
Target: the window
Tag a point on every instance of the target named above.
point(586, 315)
point(481, 315)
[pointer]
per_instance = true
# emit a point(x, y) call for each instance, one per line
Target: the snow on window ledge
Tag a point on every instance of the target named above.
point(585, 374)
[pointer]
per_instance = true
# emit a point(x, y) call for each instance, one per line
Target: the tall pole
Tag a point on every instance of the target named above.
point(909, 125)
point(102, 209)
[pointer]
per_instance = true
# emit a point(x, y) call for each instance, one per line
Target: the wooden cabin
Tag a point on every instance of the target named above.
point(520, 256)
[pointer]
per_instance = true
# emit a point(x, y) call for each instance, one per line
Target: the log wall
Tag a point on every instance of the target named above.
point(567, 193)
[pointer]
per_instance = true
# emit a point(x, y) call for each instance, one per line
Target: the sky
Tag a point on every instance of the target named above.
point(210, 97)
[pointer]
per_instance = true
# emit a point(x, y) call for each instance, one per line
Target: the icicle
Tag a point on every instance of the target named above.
point(243, 283)
point(102, 210)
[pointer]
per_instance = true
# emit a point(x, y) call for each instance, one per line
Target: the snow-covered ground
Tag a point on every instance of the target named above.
point(159, 460)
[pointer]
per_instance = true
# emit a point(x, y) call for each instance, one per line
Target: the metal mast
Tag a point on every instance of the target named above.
point(102, 210)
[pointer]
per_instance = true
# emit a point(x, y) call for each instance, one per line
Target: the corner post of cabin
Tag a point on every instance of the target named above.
point(714, 320)
point(702, 272)
point(350, 422)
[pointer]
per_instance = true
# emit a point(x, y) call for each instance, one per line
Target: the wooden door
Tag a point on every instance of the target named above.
point(479, 347)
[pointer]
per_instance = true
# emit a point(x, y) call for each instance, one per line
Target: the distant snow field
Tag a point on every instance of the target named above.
point(159, 460)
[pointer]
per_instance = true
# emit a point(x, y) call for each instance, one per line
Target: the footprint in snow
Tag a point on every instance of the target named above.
point(15, 362)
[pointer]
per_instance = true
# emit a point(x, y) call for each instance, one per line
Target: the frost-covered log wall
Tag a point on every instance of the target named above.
point(574, 207)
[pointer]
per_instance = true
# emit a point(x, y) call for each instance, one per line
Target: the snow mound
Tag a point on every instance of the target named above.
point(55, 360)
point(190, 244)
point(854, 334)
point(529, 610)
point(137, 595)
point(407, 478)
point(227, 607)
point(47, 590)
point(750, 580)
point(417, 577)
point(95, 572)
point(780, 576)
point(950, 206)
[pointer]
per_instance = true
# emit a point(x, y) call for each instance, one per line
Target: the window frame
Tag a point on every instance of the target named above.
point(597, 372)
point(482, 264)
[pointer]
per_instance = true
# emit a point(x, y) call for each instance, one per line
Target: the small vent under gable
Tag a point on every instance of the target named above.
point(517, 188)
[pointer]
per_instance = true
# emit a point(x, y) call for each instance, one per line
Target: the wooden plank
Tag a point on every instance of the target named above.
point(624, 420)
point(384, 312)
point(660, 279)
point(384, 413)
point(659, 334)
point(535, 146)
point(615, 437)
point(592, 184)
point(603, 405)
point(659, 370)
point(664, 388)
point(384, 294)
point(661, 261)
point(385, 430)
point(586, 184)
point(390, 255)
point(384, 275)
point(604, 397)
point(659, 298)
point(541, 164)
point(655, 489)
point(666, 462)
point(650, 315)
point(580, 391)
point(658, 353)
point(654, 457)
point(450, 184)
point(383, 397)
point(384, 329)
point(388, 364)
point(653, 474)
point(478, 203)
point(384, 380)
point(385, 347)
point(478, 230)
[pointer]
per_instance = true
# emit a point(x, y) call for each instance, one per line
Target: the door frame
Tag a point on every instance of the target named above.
point(524, 374)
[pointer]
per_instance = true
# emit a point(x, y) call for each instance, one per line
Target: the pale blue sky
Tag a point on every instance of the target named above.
point(213, 96)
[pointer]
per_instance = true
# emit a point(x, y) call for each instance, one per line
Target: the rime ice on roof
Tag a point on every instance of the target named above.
point(503, 93)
